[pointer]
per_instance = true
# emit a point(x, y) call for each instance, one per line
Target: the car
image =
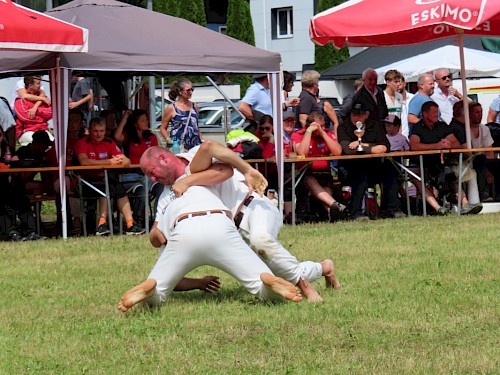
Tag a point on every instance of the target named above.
point(210, 119)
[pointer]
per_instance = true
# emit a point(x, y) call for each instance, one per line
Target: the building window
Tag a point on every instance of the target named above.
point(282, 23)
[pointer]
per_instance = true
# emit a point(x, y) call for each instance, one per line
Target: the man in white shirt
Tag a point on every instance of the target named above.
point(407, 96)
point(445, 95)
point(198, 230)
point(393, 98)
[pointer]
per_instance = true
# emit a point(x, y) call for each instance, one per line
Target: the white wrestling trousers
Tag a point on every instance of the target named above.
point(208, 240)
point(260, 226)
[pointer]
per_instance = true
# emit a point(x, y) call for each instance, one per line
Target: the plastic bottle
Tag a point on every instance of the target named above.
point(8, 156)
point(176, 148)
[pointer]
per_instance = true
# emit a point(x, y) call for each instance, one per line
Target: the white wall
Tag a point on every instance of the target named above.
point(294, 51)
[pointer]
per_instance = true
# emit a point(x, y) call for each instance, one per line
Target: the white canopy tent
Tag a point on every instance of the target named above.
point(477, 63)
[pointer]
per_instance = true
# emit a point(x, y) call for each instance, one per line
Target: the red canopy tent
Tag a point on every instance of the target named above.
point(373, 23)
point(25, 29)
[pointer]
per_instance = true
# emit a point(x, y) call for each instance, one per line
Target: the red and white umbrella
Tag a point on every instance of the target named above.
point(25, 29)
point(373, 23)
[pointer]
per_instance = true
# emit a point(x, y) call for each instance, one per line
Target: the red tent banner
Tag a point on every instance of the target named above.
point(370, 23)
point(25, 29)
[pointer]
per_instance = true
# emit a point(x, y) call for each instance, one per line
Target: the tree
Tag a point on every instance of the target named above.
point(239, 26)
point(170, 7)
point(328, 56)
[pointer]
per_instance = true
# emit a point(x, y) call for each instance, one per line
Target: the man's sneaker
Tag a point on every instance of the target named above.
point(134, 230)
point(471, 209)
point(394, 213)
point(337, 212)
point(33, 236)
point(102, 230)
point(15, 236)
point(443, 211)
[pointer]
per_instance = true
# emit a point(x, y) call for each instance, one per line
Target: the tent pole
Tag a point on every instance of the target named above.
point(464, 86)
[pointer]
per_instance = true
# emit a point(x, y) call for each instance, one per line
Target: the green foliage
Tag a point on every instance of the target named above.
point(170, 7)
point(328, 56)
point(239, 26)
point(419, 296)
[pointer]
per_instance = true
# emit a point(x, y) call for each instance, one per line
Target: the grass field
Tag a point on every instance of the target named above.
point(419, 296)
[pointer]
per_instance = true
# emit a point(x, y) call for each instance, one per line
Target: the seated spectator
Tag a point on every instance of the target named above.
point(432, 134)
point(134, 134)
point(8, 123)
point(32, 115)
point(96, 149)
point(265, 133)
point(311, 141)
point(365, 173)
point(75, 128)
point(14, 203)
point(484, 162)
point(109, 116)
point(396, 139)
point(288, 129)
point(494, 111)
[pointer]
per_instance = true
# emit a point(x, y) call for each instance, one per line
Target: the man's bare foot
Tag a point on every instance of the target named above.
point(210, 284)
point(329, 273)
point(309, 292)
point(282, 287)
point(137, 294)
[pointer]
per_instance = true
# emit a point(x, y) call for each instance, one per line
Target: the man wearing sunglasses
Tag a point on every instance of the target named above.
point(445, 95)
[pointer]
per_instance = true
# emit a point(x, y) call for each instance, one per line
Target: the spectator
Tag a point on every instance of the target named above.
point(266, 137)
point(109, 116)
point(311, 141)
point(181, 116)
point(257, 99)
point(494, 111)
point(308, 98)
point(288, 128)
point(96, 149)
point(8, 123)
point(371, 96)
point(397, 140)
point(328, 112)
point(432, 134)
point(407, 96)
point(392, 97)
point(82, 98)
point(345, 108)
point(20, 92)
point(288, 82)
point(14, 203)
point(133, 132)
point(32, 116)
point(445, 95)
point(425, 90)
point(75, 127)
point(481, 138)
point(362, 174)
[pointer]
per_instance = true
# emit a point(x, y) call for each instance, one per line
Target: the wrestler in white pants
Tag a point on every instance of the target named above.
point(207, 240)
point(259, 227)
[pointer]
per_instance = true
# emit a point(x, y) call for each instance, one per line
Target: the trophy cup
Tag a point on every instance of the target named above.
point(359, 132)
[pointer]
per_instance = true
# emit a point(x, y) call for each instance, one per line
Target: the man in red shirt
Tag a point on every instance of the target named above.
point(313, 141)
point(97, 149)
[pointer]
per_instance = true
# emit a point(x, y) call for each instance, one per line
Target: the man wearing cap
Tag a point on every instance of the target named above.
point(361, 174)
point(257, 99)
point(397, 140)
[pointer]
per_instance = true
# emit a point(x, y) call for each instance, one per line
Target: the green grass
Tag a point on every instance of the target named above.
point(419, 296)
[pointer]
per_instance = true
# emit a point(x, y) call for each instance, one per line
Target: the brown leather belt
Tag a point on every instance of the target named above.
point(239, 215)
point(202, 213)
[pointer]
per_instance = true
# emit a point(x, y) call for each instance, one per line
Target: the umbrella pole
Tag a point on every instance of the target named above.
point(464, 87)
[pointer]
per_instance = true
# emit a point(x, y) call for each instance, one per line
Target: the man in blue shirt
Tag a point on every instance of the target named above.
point(257, 99)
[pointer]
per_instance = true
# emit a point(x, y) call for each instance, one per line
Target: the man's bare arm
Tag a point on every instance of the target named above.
point(215, 174)
point(209, 149)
